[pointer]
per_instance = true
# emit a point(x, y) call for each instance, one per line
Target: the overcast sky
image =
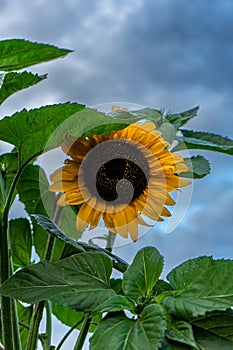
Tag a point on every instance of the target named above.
point(169, 54)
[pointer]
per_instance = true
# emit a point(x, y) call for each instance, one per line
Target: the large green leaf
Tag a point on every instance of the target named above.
point(16, 54)
point(21, 242)
point(143, 273)
point(204, 140)
point(218, 323)
point(182, 332)
point(199, 167)
point(78, 246)
point(14, 82)
point(116, 331)
point(80, 281)
point(200, 285)
point(30, 130)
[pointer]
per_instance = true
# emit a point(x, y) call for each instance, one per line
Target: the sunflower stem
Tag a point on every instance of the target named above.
point(83, 332)
point(110, 241)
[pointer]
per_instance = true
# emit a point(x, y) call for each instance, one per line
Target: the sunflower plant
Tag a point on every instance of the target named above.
point(121, 169)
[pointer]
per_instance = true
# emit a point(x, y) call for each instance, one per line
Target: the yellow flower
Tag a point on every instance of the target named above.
point(120, 177)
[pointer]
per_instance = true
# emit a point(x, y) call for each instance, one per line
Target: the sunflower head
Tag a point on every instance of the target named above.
point(122, 177)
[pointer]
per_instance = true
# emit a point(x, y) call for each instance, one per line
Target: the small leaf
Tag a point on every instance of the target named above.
point(14, 82)
point(116, 303)
point(201, 285)
point(143, 273)
point(80, 281)
point(182, 332)
point(116, 331)
point(204, 140)
point(21, 242)
point(179, 119)
point(219, 323)
point(199, 167)
point(16, 54)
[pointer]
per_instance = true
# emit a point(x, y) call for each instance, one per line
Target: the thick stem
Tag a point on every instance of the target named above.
point(7, 331)
point(48, 324)
point(83, 332)
point(110, 241)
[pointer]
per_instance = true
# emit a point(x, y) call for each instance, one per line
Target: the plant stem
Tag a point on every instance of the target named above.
point(83, 332)
point(110, 241)
point(68, 333)
point(48, 324)
point(34, 326)
point(7, 331)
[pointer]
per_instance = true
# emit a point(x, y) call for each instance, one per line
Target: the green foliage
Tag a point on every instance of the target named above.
point(21, 242)
point(205, 141)
point(13, 82)
point(145, 333)
point(80, 281)
point(144, 272)
point(16, 54)
point(199, 167)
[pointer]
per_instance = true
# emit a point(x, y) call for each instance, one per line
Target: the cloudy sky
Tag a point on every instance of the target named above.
point(166, 54)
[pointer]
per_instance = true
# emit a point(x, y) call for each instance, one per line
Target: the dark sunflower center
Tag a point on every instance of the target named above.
point(117, 170)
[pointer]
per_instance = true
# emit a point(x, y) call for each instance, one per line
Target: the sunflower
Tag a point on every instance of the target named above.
point(122, 177)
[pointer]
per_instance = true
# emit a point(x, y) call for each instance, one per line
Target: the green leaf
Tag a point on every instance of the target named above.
point(218, 323)
point(21, 242)
point(80, 281)
point(117, 331)
point(16, 54)
point(14, 82)
point(168, 344)
point(116, 303)
point(30, 130)
point(182, 332)
point(33, 191)
point(143, 273)
point(179, 119)
point(200, 285)
point(204, 140)
point(55, 231)
point(208, 341)
point(199, 167)
point(24, 314)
